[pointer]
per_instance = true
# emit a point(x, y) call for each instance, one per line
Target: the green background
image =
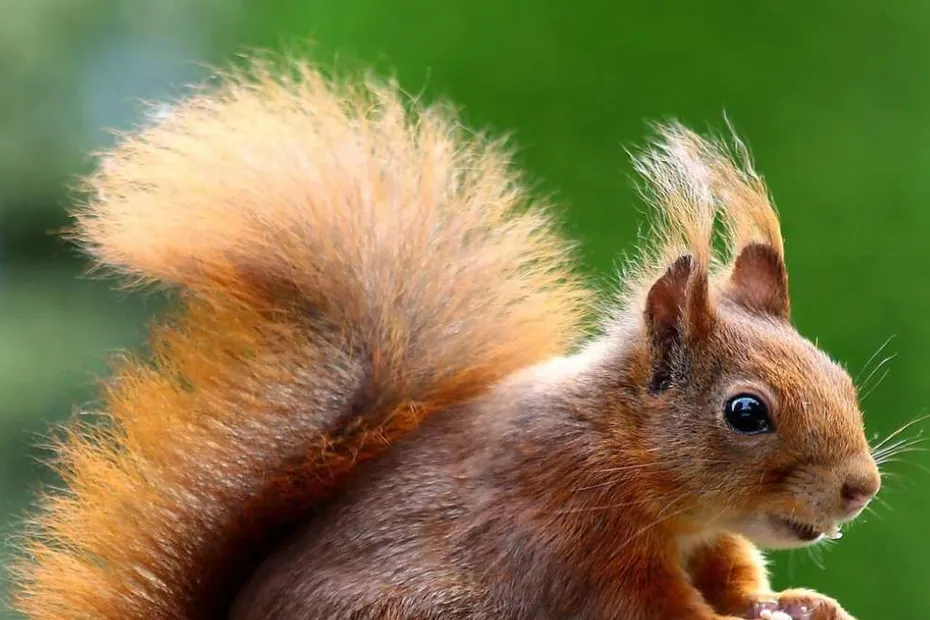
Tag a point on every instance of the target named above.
point(832, 96)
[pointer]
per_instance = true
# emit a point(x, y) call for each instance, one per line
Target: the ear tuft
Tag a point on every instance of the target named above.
point(759, 281)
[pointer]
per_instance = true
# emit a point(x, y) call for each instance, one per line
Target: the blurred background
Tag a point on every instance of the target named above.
point(832, 96)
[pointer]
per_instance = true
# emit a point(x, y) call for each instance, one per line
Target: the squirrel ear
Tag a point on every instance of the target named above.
point(677, 314)
point(759, 281)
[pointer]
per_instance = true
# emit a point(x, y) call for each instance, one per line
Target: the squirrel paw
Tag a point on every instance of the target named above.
point(798, 605)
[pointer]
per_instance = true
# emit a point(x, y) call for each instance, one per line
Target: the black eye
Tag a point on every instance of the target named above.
point(748, 415)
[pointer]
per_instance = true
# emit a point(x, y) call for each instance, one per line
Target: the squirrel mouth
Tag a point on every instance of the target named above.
point(802, 531)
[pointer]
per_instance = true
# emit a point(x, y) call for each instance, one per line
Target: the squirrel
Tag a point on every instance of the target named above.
point(381, 393)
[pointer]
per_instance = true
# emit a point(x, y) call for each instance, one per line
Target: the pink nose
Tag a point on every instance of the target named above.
point(857, 493)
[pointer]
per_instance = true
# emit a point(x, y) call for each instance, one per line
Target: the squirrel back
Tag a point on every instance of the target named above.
point(346, 263)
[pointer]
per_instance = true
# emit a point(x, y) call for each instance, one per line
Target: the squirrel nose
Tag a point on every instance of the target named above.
point(857, 492)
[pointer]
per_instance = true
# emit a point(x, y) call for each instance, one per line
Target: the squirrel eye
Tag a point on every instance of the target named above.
point(747, 414)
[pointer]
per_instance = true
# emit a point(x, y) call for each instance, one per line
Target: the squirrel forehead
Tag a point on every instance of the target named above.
point(775, 352)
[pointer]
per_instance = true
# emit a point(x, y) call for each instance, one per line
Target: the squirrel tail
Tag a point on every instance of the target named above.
point(346, 263)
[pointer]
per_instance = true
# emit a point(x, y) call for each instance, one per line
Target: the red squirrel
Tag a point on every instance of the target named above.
point(381, 396)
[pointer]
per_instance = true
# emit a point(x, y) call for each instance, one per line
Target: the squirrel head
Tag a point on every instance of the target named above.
point(744, 419)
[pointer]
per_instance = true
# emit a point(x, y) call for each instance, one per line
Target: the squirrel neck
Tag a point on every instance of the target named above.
point(572, 448)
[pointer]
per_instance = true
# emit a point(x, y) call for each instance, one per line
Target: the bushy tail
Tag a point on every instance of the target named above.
point(347, 263)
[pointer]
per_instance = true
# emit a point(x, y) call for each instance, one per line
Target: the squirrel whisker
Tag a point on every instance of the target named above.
point(881, 445)
point(865, 367)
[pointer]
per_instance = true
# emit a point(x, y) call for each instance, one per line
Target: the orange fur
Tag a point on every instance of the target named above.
point(729, 572)
point(349, 263)
point(693, 183)
point(319, 232)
